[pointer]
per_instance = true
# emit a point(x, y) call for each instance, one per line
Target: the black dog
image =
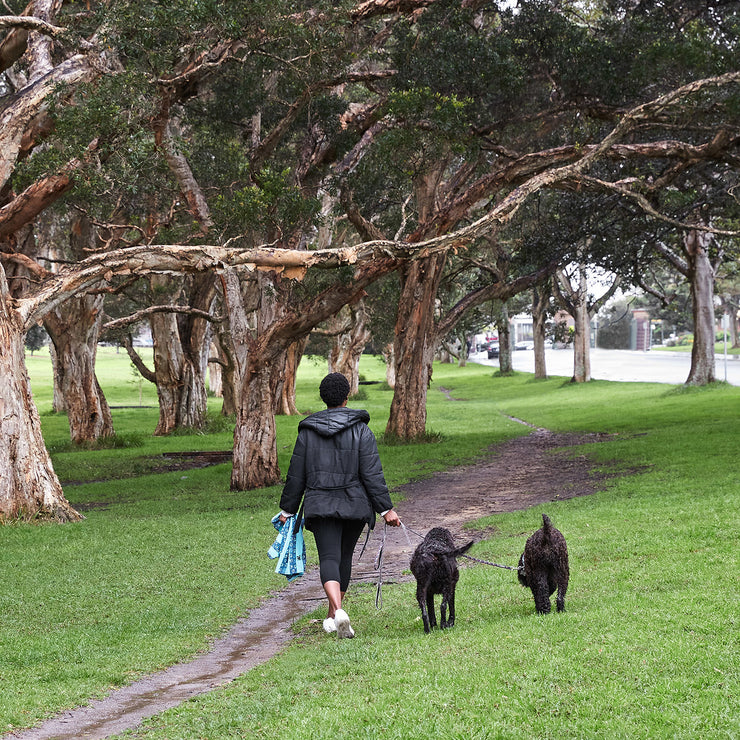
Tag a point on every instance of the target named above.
point(434, 566)
point(543, 566)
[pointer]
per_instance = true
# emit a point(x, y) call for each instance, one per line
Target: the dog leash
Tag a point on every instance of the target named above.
point(470, 557)
point(378, 564)
point(487, 562)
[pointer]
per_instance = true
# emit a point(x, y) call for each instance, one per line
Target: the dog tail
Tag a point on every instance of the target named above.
point(546, 524)
point(462, 550)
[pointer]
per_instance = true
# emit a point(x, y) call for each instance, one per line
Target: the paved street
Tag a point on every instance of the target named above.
point(622, 365)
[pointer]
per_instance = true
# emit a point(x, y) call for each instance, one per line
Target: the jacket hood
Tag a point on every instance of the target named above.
point(329, 422)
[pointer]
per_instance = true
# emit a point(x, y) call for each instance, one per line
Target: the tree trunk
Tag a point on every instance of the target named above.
point(29, 487)
point(285, 397)
point(574, 298)
point(701, 279)
point(505, 360)
point(413, 347)
point(168, 369)
point(215, 371)
point(57, 403)
point(733, 326)
point(462, 360)
point(180, 361)
point(389, 356)
point(259, 347)
point(539, 322)
point(348, 347)
point(255, 444)
point(581, 344)
point(74, 327)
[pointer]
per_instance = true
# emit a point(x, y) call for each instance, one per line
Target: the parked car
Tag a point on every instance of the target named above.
point(492, 350)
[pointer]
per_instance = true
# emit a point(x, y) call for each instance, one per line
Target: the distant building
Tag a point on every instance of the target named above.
point(640, 338)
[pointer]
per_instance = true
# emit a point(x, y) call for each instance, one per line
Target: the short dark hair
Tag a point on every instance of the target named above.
point(334, 390)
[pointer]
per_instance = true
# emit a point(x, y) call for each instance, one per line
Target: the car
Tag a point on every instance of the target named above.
point(492, 350)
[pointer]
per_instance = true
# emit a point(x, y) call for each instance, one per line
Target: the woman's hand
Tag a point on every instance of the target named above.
point(283, 519)
point(392, 519)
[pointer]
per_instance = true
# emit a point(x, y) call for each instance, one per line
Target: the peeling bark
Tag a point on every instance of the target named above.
point(413, 348)
point(29, 487)
point(74, 328)
point(181, 347)
point(540, 296)
point(348, 346)
point(255, 442)
point(701, 279)
point(285, 396)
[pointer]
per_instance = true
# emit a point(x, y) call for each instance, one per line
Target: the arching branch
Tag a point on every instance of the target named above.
point(292, 263)
point(30, 23)
point(146, 312)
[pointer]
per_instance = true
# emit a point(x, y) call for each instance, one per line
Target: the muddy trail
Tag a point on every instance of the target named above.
point(530, 470)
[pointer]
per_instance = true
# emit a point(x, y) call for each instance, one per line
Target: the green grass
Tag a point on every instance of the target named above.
point(648, 646)
point(719, 348)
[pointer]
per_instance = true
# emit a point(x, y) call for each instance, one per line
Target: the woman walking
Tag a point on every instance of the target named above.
point(336, 470)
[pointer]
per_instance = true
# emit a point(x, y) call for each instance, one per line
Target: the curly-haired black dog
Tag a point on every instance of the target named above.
point(543, 566)
point(434, 565)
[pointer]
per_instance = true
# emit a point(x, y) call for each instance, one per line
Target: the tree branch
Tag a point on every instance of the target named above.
point(40, 195)
point(292, 263)
point(30, 23)
point(645, 205)
point(145, 312)
point(138, 363)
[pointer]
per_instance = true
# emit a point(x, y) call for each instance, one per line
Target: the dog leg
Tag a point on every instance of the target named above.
point(541, 593)
point(562, 588)
point(430, 609)
point(421, 597)
point(451, 607)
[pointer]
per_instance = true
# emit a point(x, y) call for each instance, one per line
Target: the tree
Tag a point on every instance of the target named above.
point(573, 293)
point(36, 338)
point(536, 93)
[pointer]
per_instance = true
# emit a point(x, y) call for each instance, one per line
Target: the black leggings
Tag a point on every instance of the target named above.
point(335, 541)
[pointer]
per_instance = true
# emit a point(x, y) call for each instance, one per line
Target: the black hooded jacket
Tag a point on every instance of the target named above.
point(336, 465)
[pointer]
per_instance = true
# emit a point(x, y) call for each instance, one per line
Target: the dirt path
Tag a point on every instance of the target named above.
point(516, 475)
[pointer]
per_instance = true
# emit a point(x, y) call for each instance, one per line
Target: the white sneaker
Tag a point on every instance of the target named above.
point(329, 625)
point(341, 620)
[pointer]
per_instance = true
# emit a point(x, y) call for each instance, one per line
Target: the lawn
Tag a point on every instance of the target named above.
point(648, 646)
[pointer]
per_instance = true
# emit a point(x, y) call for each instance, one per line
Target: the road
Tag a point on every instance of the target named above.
point(622, 365)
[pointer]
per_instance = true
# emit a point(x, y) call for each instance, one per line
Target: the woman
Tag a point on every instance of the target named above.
point(336, 470)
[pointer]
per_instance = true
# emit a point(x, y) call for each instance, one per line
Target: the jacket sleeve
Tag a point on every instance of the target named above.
point(295, 481)
point(371, 473)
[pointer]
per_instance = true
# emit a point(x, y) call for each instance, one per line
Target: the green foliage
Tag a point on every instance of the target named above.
point(452, 53)
point(272, 205)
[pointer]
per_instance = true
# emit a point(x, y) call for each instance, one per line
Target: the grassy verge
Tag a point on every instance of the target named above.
point(719, 348)
point(648, 646)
